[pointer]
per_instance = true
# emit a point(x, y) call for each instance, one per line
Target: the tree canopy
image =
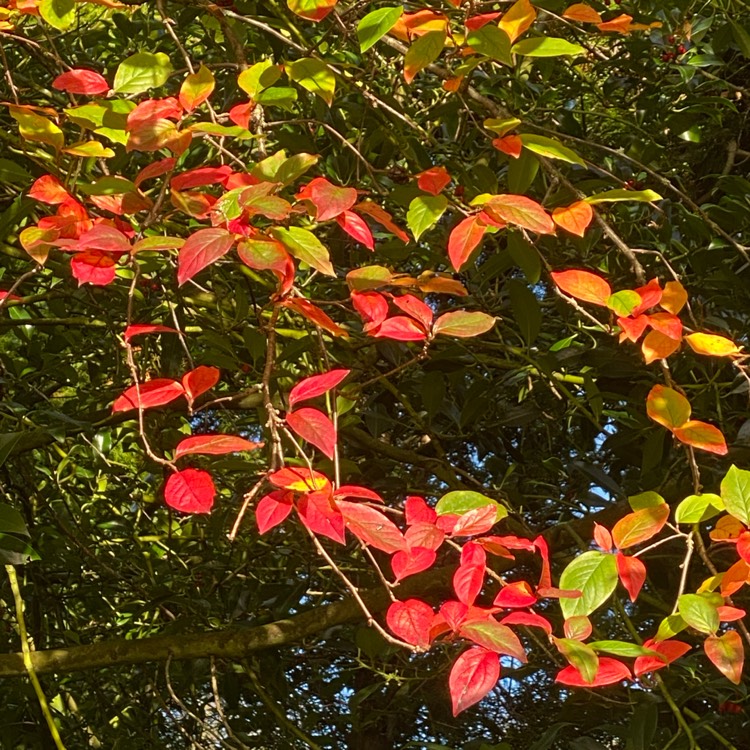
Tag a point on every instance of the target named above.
point(372, 374)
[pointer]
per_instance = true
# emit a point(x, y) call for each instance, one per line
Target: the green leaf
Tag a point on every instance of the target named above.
point(699, 611)
point(424, 212)
point(8, 442)
point(735, 492)
point(424, 51)
point(141, 72)
point(670, 627)
point(375, 25)
point(11, 521)
point(258, 77)
point(741, 37)
point(525, 256)
point(521, 172)
point(294, 167)
point(546, 46)
point(622, 648)
point(278, 96)
point(58, 13)
point(622, 303)
point(491, 41)
point(616, 196)
point(14, 173)
point(551, 148)
point(501, 126)
point(462, 501)
point(305, 246)
point(526, 310)
point(580, 655)
point(645, 500)
point(698, 508)
point(594, 574)
point(108, 185)
point(315, 76)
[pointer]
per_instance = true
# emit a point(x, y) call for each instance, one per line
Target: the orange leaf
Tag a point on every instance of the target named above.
point(734, 578)
point(667, 407)
point(314, 314)
point(658, 346)
point(712, 345)
point(518, 19)
point(701, 435)
point(214, 445)
point(582, 12)
point(196, 88)
point(623, 24)
point(668, 650)
point(312, 10)
point(583, 285)
point(640, 525)
point(433, 180)
point(727, 654)
point(674, 297)
point(509, 144)
point(727, 529)
point(299, 479)
point(411, 25)
point(574, 218)
point(464, 238)
point(522, 211)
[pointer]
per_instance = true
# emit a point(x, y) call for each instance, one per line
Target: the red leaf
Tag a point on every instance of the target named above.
point(454, 613)
point(314, 314)
point(469, 577)
point(315, 427)
point(509, 542)
point(199, 380)
point(152, 393)
point(632, 574)
point(355, 226)
point(411, 621)
point(704, 436)
point(670, 650)
point(545, 578)
point(512, 145)
point(372, 526)
point(414, 308)
point(272, 510)
point(666, 323)
point(640, 525)
point(610, 671)
point(137, 329)
point(574, 218)
point(382, 217)
point(213, 445)
point(151, 111)
point(424, 534)
point(105, 238)
point(352, 490)
point(93, 267)
point(476, 22)
point(433, 180)
point(315, 11)
point(318, 513)
point(48, 189)
point(650, 295)
point(730, 614)
point(400, 328)
point(372, 308)
point(476, 521)
point(414, 561)
point(316, 385)
point(200, 177)
point(416, 510)
point(632, 328)
point(530, 619)
point(521, 211)
point(464, 238)
point(727, 654)
point(240, 114)
point(80, 81)
point(190, 491)
point(155, 169)
point(201, 249)
point(514, 595)
point(299, 479)
point(585, 286)
point(328, 199)
point(578, 627)
point(473, 676)
point(602, 537)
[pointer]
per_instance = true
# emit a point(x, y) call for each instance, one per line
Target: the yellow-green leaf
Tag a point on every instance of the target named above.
point(58, 13)
point(315, 76)
point(424, 51)
point(258, 77)
point(141, 72)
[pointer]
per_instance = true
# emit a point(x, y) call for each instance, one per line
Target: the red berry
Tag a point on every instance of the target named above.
point(681, 50)
point(671, 39)
point(666, 57)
